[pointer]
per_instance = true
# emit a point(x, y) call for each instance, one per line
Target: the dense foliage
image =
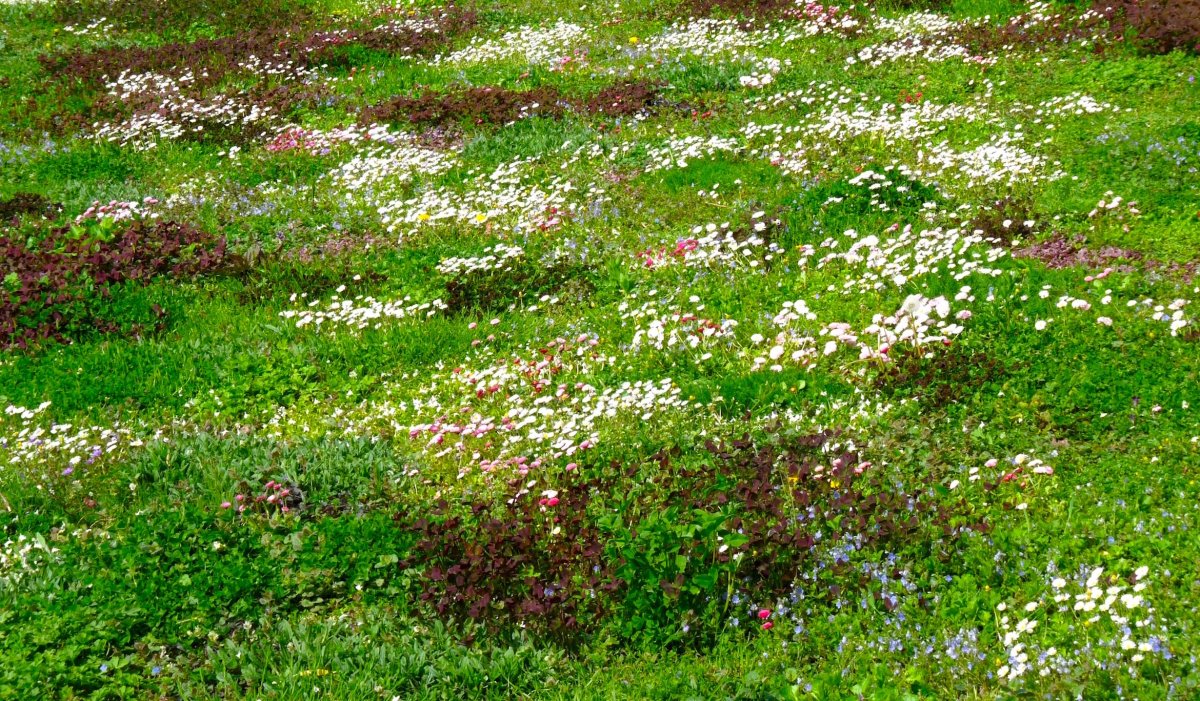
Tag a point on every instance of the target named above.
point(756, 349)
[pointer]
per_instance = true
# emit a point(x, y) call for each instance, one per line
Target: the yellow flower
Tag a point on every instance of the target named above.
point(633, 40)
point(480, 218)
point(423, 216)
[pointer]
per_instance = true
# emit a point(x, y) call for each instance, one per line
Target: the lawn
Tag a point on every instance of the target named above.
point(652, 349)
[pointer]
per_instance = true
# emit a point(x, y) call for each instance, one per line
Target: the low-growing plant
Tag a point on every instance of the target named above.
point(525, 282)
point(1158, 26)
point(752, 517)
point(220, 15)
point(483, 105)
point(29, 204)
point(939, 379)
point(497, 106)
point(50, 287)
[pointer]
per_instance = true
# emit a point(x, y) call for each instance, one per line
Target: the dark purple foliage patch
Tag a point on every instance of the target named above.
point(754, 513)
point(49, 290)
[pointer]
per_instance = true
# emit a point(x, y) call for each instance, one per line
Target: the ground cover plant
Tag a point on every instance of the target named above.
point(675, 349)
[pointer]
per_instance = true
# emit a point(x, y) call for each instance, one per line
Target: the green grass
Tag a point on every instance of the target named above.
point(597, 439)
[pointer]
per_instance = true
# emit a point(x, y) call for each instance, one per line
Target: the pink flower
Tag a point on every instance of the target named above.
point(764, 613)
point(225, 505)
point(552, 501)
point(571, 466)
point(768, 625)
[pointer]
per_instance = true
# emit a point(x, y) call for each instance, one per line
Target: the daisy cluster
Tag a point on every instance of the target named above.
point(498, 258)
point(360, 312)
point(116, 211)
point(530, 45)
point(511, 413)
point(901, 254)
point(921, 323)
point(510, 195)
point(715, 246)
point(320, 142)
point(177, 116)
point(1088, 620)
point(383, 168)
point(26, 556)
point(676, 330)
point(53, 454)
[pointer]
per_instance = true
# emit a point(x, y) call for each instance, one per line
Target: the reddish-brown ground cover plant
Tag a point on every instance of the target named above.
point(1157, 26)
point(50, 290)
point(479, 105)
point(24, 204)
point(219, 67)
point(156, 15)
point(625, 99)
point(494, 291)
point(1066, 25)
point(1005, 221)
point(495, 105)
point(209, 61)
point(533, 564)
point(758, 515)
point(942, 378)
point(1058, 252)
